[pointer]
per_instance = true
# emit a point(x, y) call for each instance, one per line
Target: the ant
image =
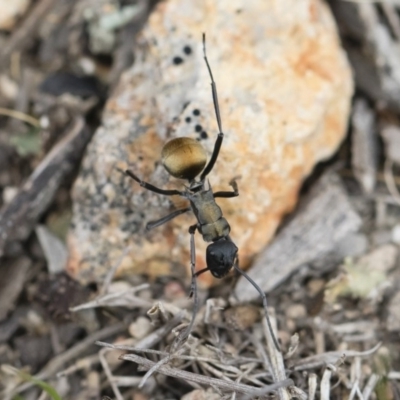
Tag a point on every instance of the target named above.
point(186, 158)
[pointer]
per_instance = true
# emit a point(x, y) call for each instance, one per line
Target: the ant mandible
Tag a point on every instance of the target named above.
point(186, 158)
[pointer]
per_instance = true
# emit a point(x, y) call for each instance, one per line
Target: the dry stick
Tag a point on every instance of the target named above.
point(353, 391)
point(392, 17)
point(58, 362)
point(330, 357)
point(153, 338)
point(18, 218)
point(355, 377)
point(26, 30)
point(178, 356)
point(312, 386)
point(276, 357)
point(20, 116)
point(326, 383)
point(204, 380)
point(148, 341)
point(174, 348)
point(395, 375)
point(83, 363)
point(244, 374)
point(109, 374)
point(271, 363)
point(127, 381)
point(389, 180)
point(111, 300)
point(370, 386)
point(293, 347)
point(155, 368)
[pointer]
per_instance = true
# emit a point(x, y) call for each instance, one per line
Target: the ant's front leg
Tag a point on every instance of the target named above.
point(227, 194)
point(151, 187)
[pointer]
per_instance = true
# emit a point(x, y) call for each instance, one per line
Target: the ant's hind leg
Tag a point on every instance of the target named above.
point(193, 286)
point(264, 301)
point(153, 224)
point(151, 187)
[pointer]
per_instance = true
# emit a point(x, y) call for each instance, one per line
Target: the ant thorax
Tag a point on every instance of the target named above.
point(211, 224)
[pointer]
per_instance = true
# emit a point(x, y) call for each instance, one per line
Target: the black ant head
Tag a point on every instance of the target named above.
point(184, 158)
point(220, 257)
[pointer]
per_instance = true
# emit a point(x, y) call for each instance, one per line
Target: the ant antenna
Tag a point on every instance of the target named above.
point(220, 137)
point(213, 86)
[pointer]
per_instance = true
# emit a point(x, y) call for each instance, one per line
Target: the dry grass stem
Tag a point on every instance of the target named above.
point(370, 386)
point(74, 352)
point(330, 357)
point(312, 386)
point(109, 374)
point(203, 380)
point(326, 384)
point(275, 356)
point(121, 299)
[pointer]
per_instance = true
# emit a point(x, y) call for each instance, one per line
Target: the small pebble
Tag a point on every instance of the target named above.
point(296, 311)
point(140, 328)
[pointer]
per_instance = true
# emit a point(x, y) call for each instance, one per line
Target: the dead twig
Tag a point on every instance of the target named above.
point(326, 383)
point(74, 352)
point(120, 299)
point(109, 374)
point(149, 341)
point(370, 386)
point(27, 29)
point(18, 218)
point(330, 357)
point(390, 182)
point(204, 380)
point(20, 116)
point(275, 357)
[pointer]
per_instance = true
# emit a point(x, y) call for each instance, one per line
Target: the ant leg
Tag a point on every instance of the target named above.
point(197, 274)
point(264, 300)
point(218, 142)
point(193, 286)
point(152, 188)
point(153, 224)
point(227, 194)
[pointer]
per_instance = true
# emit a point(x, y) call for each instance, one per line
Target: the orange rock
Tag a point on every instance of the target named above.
point(284, 88)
